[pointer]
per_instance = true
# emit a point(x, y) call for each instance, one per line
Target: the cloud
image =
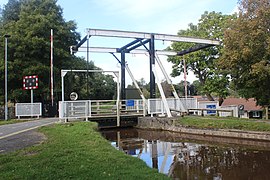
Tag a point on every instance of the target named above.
point(3, 2)
point(164, 16)
point(235, 10)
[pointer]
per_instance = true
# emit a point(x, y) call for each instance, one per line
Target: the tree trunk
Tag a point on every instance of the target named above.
point(220, 100)
point(209, 97)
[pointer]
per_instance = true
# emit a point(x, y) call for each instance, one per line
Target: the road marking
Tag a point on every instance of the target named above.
point(18, 132)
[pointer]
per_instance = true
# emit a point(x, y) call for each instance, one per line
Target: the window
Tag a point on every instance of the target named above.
point(256, 114)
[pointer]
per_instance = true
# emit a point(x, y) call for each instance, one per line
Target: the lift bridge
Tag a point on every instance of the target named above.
point(122, 107)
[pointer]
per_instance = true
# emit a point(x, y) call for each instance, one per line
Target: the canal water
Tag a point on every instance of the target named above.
point(183, 156)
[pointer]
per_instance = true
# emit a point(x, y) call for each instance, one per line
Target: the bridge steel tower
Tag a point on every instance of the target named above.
point(141, 39)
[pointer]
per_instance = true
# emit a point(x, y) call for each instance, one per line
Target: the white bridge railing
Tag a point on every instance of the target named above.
point(156, 106)
point(91, 108)
point(28, 109)
point(74, 109)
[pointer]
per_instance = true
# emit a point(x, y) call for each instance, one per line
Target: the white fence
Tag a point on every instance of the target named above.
point(155, 106)
point(134, 105)
point(28, 109)
point(208, 105)
point(90, 108)
point(188, 103)
point(74, 109)
point(234, 108)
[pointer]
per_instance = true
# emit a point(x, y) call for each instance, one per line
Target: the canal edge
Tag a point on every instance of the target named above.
point(157, 123)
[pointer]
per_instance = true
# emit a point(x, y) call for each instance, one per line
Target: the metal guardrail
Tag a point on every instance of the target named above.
point(91, 108)
point(74, 109)
point(28, 109)
point(155, 106)
point(134, 105)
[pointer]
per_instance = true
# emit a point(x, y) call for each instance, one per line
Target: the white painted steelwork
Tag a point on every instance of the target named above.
point(28, 109)
point(116, 73)
point(143, 35)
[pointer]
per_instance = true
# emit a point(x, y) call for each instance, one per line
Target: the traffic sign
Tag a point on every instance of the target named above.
point(73, 96)
point(30, 82)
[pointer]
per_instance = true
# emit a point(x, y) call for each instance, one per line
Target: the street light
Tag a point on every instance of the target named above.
point(6, 76)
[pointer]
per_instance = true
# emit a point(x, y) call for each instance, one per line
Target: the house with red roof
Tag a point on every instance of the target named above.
point(246, 108)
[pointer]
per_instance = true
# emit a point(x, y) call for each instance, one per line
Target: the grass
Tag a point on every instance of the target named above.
point(11, 121)
point(74, 151)
point(224, 123)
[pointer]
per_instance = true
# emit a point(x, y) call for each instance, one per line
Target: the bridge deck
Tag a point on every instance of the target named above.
point(110, 120)
point(127, 120)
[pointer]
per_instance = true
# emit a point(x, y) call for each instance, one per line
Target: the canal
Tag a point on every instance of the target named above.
point(184, 156)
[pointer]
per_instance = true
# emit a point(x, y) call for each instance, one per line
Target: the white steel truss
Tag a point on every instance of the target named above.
point(114, 50)
point(143, 35)
point(148, 37)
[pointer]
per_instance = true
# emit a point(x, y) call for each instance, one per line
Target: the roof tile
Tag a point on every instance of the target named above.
point(249, 104)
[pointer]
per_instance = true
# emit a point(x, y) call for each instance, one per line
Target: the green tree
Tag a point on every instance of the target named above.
point(180, 88)
point(247, 51)
point(29, 22)
point(145, 87)
point(11, 11)
point(204, 62)
point(197, 87)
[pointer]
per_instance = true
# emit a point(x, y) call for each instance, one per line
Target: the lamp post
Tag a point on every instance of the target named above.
point(6, 76)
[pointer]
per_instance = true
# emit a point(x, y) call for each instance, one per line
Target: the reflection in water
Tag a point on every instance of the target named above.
point(182, 159)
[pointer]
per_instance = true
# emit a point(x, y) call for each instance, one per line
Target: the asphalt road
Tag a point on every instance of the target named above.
point(21, 135)
point(13, 129)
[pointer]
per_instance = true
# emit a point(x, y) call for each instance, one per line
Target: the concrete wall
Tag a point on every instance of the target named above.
point(168, 124)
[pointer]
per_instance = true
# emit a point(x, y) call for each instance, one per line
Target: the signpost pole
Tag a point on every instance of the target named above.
point(32, 96)
point(52, 66)
point(32, 101)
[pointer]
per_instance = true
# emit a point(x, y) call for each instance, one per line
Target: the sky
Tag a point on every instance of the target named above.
point(151, 16)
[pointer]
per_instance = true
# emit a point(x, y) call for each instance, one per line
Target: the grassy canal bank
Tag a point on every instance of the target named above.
point(78, 151)
point(74, 151)
point(212, 122)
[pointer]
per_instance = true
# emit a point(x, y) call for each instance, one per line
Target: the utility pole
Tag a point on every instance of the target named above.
point(6, 76)
point(185, 78)
point(52, 67)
